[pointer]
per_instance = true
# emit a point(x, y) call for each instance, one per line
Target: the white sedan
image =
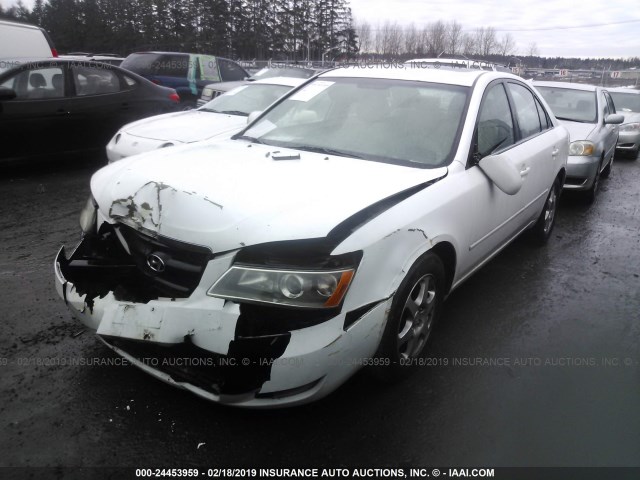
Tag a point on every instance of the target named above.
point(266, 269)
point(222, 116)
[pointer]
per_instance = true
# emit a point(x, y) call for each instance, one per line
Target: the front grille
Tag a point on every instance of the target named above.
point(178, 266)
point(101, 264)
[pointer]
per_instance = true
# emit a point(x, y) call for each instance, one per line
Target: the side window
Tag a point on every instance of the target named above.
point(545, 121)
point(231, 71)
point(495, 125)
point(208, 68)
point(94, 81)
point(605, 106)
point(612, 107)
point(129, 82)
point(526, 110)
point(172, 66)
point(37, 84)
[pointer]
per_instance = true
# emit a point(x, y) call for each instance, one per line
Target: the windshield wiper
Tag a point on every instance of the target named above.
point(251, 139)
point(573, 120)
point(234, 112)
point(325, 150)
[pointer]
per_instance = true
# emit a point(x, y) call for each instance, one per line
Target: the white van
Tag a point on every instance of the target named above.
point(20, 40)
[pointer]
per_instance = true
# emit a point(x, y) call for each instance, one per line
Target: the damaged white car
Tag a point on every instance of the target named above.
point(266, 269)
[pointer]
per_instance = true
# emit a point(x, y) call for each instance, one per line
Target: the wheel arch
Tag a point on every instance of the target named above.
point(447, 254)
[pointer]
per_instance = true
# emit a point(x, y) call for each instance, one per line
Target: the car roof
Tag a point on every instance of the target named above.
point(623, 90)
point(461, 77)
point(19, 24)
point(175, 53)
point(567, 85)
point(286, 81)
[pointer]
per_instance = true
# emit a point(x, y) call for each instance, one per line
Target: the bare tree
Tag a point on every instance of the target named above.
point(454, 38)
point(468, 44)
point(363, 30)
point(486, 42)
point(395, 40)
point(437, 38)
point(507, 45)
point(532, 50)
point(422, 48)
point(411, 39)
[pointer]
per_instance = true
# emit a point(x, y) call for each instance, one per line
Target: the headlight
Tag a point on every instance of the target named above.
point(88, 216)
point(296, 288)
point(206, 93)
point(581, 148)
point(630, 127)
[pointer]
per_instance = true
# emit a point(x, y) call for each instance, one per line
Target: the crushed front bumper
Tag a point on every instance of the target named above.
point(203, 344)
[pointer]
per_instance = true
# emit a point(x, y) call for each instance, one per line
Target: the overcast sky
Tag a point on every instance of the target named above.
point(564, 28)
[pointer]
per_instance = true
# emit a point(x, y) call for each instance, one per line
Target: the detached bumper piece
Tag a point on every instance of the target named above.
point(134, 266)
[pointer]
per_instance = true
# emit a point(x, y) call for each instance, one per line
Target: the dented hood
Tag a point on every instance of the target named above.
point(230, 194)
point(185, 127)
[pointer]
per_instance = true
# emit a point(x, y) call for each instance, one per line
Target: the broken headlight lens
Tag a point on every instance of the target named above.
point(88, 216)
point(308, 289)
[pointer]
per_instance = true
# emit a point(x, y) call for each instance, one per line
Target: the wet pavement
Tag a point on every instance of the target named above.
point(536, 361)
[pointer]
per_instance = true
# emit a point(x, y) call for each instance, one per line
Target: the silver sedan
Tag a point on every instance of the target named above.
point(588, 112)
point(627, 102)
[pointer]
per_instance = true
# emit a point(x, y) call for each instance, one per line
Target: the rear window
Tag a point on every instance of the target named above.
point(157, 64)
point(570, 104)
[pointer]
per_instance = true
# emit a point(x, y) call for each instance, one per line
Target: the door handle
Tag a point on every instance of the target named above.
point(62, 111)
point(555, 151)
point(525, 171)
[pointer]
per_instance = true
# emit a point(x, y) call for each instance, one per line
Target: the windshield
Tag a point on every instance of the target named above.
point(569, 104)
point(626, 102)
point(246, 99)
point(394, 121)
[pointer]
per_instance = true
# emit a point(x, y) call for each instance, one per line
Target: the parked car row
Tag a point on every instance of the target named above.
point(54, 106)
point(322, 237)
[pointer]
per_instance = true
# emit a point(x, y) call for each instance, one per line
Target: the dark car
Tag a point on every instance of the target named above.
point(188, 73)
point(55, 105)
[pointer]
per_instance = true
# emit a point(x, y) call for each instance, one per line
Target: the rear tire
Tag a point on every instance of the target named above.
point(414, 312)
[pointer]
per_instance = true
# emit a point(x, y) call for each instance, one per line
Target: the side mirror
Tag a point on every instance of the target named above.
point(7, 94)
point(253, 115)
point(614, 119)
point(501, 172)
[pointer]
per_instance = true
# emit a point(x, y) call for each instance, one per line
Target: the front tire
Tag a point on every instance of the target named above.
point(541, 231)
point(590, 195)
point(414, 312)
point(607, 170)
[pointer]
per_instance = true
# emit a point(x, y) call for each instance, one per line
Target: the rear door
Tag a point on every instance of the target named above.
point(37, 121)
point(99, 104)
point(509, 124)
